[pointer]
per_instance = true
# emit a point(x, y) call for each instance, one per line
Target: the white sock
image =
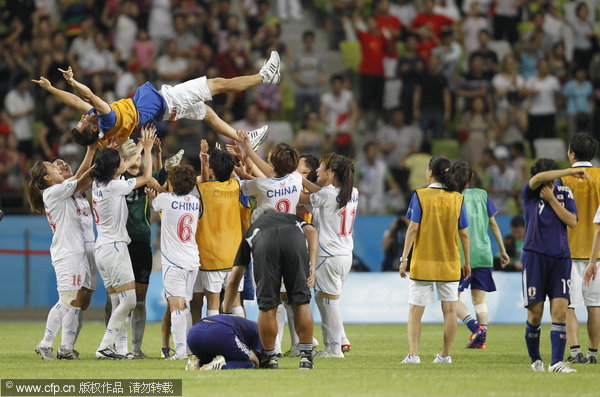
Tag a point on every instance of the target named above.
point(210, 312)
point(80, 322)
point(53, 323)
point(178, 330)
point(121, 344)
point(118, 317)
point(280, 317)
point(238, 311)
point(70, 324)
point(290, 317)
point(138, 325)
point(334, 324)
point(324, 328)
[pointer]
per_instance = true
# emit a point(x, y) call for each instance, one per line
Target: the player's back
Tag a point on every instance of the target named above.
point(110, 210)
point(282, 194)
point(587, 198)
point(476, 203)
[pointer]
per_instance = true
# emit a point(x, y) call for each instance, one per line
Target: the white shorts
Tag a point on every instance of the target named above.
point(114, 264)
point(186, 100)
point(216, 281)
point(588, 295)
point(331, 272)
point(70, 272)
point(178, 282)
point(90, 280)
point(420, 293)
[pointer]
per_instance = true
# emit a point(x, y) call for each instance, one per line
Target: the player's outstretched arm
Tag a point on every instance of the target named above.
point(67, 98)
point(466, 245)
point(147, 140)
point(409, 240)
point(86, 164)
point(504, 258)
point(232, 287)
point(85, 93)
point(263, 166)
point(311, 187)
point(548, 176)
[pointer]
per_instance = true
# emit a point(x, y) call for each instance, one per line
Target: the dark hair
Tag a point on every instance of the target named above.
point(518, 146)
point(579, 6)
point(583, 146)
point(308, 33)
point(106, 163)
point(37, 183)
point(543, 165)
point(335, 78)
point(367, 145)
point(462, 174)
point(85, 137)
point(183, 179)
point(441, 170)
point(343, 169)
point(221, 163)
point(284, 159)
point(517, 221)
point(312, 162)
point(329, 159)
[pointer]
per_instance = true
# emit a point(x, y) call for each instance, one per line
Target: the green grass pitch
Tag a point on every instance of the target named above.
point(372, 368)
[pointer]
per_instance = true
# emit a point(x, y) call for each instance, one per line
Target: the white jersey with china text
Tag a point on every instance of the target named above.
point(84, 211)
point(282, 194)
point(110, 210)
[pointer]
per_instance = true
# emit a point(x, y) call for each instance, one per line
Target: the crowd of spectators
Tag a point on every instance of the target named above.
point(495, 76)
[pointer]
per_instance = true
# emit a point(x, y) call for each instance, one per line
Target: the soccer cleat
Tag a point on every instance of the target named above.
point(411, 360)
point(46, 352)
point(346, 348)
point(166, 352)
point(315, 343)
point(477, 340)
point(439, 359)
point(174, 160)
point(178, 357)
point(579, 358)
point(193, 363)
point(269, 362)
point(66, 354)
point(293, 352)
point(329, 353)
point(136, 355)
point(592, 360)
point(217, 363)
point(258, 136)
point(110, 353)
point(537, 366)
point(270, 70)
point(561, 367)
point(306, 362)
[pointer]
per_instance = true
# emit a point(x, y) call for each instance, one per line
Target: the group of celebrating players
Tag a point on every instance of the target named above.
point(210, 242)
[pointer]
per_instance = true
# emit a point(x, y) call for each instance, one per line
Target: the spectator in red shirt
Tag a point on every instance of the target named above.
point(372, 43)
point(389, 25)
point(430, 21)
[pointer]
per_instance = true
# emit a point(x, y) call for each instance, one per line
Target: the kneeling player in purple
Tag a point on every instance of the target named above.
point(224, 342)
point(549, 209)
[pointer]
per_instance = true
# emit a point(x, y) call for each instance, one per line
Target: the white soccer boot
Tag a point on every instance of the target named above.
point(561, 367)
point(258, 136)
point(538, 366)
point(217, 363)
point(411, 360)
point(439, 359)
point(270, 71)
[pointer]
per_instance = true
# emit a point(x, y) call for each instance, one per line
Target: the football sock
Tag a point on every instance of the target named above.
point(334, 324)
point(471, 323)
point(305, 349)
point(178, 330)
point(532, 340)
point(70, 324)
point(558, 339)
point(484, 326)
point(324, 329)
point(118, 317)
point(269, 353)
point(210, 312)
point(53, 323)
point(138, 325)
point(238, 365)
point(121, 344)
point(592, 353)
point(575, 350)
point(291, 324)
point(80, 322)
point(280, 317)
point(238, 311)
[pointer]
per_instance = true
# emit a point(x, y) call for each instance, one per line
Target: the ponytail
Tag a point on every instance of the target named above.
point(441, 170)
point(36, 185)
point(461, 170)
point(343, 169)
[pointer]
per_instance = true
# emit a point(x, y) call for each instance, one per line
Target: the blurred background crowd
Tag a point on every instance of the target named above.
point(387, 82)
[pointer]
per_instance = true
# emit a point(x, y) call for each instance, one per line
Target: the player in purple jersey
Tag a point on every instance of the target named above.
point(549, 209)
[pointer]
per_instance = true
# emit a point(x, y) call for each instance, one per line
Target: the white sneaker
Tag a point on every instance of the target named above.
point(411, 360)
point(217, 363)
point(178, 357)
point(193, 363)
point(294, 351)
point(439, 359)
point(538, 366)
point(315, 343)
point(46, 352)
point(328, 353)
point(561, 367)
point(258, 136)
point(270, 70)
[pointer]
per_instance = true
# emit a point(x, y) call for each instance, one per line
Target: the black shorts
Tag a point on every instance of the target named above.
point(280, 253)
point(141, 260)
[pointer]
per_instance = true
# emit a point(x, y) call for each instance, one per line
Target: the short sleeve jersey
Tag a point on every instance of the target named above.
point(110, 210)
point(61, 211)
point(179, 223)
point(282, 194)
point(84, 211)
point(245, 330)
point(545, 233)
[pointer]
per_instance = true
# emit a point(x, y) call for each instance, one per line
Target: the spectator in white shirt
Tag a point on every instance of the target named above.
point(19, 106)
point(171, 68)
point(99, 60)
point(125, 29)
point(338, 108)
point(397, 140)
point(83, 43)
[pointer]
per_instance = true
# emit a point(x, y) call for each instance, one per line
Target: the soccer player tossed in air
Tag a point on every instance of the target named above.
point(110, 214)
point(436, 213)
point(185, 100)
point(53, 194)
point(334, 207)
point(480, 211)
point(179, 251)
point(586, 192)
point(549, 209)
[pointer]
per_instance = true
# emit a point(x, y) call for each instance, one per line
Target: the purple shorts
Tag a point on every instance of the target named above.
point(481, 278)
point(545, 275)
point(209, 339)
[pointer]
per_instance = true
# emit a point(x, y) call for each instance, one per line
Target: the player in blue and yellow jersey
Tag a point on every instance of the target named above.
point(549, 209)
point(186, 100)
point(586, 192)
point(481, 211)
point(436, 213)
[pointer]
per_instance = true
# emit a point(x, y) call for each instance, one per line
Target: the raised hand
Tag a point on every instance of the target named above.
point(43, 82)
point(148, 136)
point(244, 141)
point(67, 74)
point(150, 193)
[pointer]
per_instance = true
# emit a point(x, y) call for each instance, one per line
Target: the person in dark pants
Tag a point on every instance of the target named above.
point(277, 244)
point(431, 104)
